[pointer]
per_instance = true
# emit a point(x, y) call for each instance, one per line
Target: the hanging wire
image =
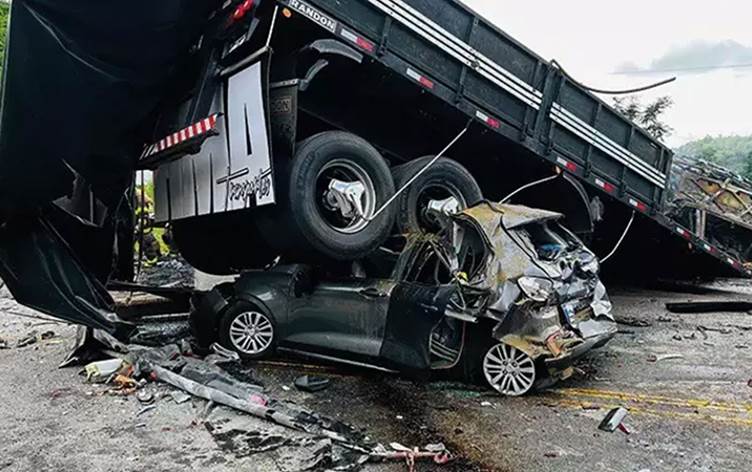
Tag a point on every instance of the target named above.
point(527, 186)
point(611, 92)
point(621, 239)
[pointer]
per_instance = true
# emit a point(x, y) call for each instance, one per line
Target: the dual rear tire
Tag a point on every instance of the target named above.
point(328, 195)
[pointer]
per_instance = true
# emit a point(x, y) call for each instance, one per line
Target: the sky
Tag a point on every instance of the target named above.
point(617, 45)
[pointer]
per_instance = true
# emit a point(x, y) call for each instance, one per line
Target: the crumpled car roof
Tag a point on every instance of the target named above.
point(486, 215)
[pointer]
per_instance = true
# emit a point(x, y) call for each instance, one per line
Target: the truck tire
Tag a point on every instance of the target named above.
point(446, 178)
point(316, 223)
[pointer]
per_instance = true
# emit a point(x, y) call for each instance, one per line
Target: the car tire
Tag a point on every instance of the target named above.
point(312, 223)
point(248, 330)
point(444, 179)
point(508, 370)
point(470, 368)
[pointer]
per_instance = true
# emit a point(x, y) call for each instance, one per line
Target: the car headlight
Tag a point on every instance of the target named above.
point(539, 290)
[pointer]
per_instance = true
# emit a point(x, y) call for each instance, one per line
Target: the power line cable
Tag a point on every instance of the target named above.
point(611, 92)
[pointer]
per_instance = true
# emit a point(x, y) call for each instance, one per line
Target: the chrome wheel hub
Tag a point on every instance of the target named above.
point(346, 196)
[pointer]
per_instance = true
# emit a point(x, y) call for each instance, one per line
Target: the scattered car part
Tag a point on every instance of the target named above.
point(664, 357)
point(103, 369)
point(248, 330)
point(179, 397)
point(709, 307)
point(311, 384)
point(445, 181)
point(335, 181)
point(145, 396)
point(613, 419)
point(146, 409)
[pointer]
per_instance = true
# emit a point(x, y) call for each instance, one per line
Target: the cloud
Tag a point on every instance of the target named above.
point(697, 57)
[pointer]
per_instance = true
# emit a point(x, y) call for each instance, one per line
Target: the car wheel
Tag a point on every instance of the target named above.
point(248, 330)
point(335, 179)
point(508, 370)
point(446, 181)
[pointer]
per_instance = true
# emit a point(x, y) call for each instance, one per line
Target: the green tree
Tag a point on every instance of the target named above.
point(648, 116)
point(4, 16)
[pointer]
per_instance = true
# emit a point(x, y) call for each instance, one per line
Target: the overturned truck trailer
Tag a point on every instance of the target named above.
point(286, 128)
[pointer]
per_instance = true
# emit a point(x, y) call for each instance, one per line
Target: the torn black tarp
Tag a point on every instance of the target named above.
point(81, 80)
point(81, 84)
point(41, 273)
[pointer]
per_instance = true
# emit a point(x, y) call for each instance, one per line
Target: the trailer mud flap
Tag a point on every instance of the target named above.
point(233, 169)
point(41, 271)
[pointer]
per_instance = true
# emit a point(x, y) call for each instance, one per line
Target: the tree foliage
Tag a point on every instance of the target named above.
point(4, 15)
point(648, 116)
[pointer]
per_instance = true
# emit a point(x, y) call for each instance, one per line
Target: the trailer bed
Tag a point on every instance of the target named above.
point(461, 58)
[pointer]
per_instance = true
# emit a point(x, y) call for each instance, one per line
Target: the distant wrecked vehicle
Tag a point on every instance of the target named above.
point(502, 294)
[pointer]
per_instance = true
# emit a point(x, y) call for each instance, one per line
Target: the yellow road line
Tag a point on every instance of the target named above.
point(694, 417)
point(657, 399)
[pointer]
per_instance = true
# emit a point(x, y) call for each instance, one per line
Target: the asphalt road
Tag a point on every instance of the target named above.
point(692, 412)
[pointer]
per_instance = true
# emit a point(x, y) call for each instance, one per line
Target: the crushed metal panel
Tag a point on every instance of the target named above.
point(186, 187)
point(247, 179)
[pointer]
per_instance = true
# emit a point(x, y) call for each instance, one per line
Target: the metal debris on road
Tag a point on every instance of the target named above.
point(311, 384)
point(145, 396)
point(34, 337)
point(633, 322)
point(102, 370)
point(709, 307)
point(664, 357)
point(179, 397)
point(613, 419)
point(439, 456)
point(145, 409)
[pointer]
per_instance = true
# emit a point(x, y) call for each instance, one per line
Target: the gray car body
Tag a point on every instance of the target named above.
point(347, 318)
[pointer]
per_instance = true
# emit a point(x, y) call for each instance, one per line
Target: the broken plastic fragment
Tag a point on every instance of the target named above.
point(613, 419)
point(103, 369)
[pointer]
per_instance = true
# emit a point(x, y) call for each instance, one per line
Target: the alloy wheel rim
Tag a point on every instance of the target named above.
point(251, 333)
point(508, 370)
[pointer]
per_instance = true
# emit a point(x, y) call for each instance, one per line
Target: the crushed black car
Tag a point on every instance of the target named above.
point(502, 293)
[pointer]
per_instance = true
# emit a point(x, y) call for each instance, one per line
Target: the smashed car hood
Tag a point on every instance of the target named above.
point(506, 260)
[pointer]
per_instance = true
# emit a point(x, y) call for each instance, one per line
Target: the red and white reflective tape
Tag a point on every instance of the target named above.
point(683, 232)
point(196, 129)
point(733, 262)
point(637, 204)
point(570, 166)
point(359, 41)
point(708, 248)
point(420, 78)
point(610, 188)
point(490, 121)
